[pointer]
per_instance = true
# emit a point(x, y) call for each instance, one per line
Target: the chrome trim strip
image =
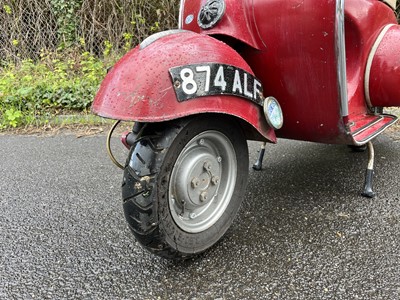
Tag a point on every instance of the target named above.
point(151, 39)
point(369, 63)
point(367, 126)
point(341, 58)
point(391, 3)
point(382, 129)
point(182, 5)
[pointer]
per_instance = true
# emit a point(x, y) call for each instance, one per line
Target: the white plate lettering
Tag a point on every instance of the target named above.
point(199, 80)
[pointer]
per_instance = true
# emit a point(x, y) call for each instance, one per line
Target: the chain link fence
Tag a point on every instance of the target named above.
point(96, 26)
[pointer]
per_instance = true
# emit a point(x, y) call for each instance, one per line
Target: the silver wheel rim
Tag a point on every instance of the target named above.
point(202, 181)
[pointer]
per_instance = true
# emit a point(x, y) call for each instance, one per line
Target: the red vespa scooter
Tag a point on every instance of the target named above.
point(198, 93)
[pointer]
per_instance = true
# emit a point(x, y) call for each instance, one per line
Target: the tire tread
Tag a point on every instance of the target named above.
point(146, 231)
point(144, 219)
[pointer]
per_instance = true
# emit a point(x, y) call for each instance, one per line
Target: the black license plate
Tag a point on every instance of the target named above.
point(199, 80)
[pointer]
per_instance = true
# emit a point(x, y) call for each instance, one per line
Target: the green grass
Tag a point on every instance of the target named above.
point(34, 93)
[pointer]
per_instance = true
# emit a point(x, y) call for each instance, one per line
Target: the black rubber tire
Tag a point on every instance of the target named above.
point(146, 181)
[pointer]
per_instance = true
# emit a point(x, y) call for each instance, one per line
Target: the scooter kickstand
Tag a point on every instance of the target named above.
point(258, 165)
point(368, 193)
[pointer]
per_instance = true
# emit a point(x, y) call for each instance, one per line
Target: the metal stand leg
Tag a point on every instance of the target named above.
point(368, 193)
point(258, 165)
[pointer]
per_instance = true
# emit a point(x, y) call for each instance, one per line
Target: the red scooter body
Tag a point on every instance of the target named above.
point(292, 47)
point(235, 70)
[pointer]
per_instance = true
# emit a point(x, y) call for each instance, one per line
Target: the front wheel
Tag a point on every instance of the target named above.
point(184, 183)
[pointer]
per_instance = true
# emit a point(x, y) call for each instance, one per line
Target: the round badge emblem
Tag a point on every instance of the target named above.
point(211, 13)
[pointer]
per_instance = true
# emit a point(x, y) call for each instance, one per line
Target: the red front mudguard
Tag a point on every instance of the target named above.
point(139, 87)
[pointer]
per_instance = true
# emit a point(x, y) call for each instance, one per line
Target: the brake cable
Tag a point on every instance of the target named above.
point(109, 151)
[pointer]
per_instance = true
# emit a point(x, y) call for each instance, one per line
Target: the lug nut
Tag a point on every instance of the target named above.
point(215, 180)
point(203, 196)
point(207, 166)
point(192, 216)
point(195, 182)
point(201, 142)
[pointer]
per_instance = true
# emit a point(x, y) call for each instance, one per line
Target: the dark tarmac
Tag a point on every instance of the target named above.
point(304, 231)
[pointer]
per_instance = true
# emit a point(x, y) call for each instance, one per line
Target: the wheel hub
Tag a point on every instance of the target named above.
point(203, 185)
point(202, 181)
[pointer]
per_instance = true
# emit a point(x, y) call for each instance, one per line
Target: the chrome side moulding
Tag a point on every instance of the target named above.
point(341, 58)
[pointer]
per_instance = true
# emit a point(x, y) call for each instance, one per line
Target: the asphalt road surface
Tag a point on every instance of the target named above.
point(303, 231)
